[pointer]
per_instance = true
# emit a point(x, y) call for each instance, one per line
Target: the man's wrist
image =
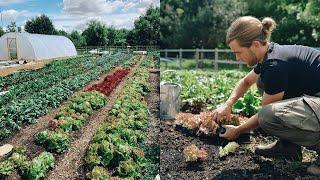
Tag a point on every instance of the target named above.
point(239, 129)
point(229, 103)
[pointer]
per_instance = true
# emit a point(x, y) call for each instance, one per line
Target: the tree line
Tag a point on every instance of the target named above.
point(145, 32)
point(197, 24)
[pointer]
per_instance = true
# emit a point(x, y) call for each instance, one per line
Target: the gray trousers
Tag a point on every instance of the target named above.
point(296, 120)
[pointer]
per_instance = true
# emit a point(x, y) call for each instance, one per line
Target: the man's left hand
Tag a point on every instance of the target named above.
point(232, 132)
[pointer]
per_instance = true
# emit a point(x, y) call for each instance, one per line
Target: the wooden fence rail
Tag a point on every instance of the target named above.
point(86, 49)
point(199, 56)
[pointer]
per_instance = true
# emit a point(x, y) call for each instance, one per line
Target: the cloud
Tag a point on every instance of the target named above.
point(12, 14)
point(8, 2)
point(69, 23)
point(117, 13)
point(98, 7)
point(76, 14)
point(93, 7)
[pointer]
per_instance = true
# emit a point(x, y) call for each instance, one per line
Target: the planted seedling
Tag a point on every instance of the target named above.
point(192, 153)
point(231, 147)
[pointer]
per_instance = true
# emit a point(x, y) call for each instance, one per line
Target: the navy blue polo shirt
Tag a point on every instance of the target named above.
point(294, 69)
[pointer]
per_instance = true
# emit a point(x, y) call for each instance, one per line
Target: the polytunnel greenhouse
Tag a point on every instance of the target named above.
point(27, 46)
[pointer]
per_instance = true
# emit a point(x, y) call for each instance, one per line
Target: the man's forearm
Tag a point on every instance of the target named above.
point(251, 124)
point(238, 92)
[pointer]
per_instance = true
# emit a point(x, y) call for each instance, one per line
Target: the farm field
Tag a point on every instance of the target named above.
point(84, 118)
point(201, 92)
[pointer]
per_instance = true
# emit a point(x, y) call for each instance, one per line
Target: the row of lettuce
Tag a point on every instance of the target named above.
point(76, 112)
point(205, 90)
point(46, 89)
point(118, 149)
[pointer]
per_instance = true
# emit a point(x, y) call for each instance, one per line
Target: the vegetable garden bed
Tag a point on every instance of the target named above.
point(26, 136)
point(203, 91)
point(67, 130)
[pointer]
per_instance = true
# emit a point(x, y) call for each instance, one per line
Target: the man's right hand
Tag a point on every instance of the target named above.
point(223, 112)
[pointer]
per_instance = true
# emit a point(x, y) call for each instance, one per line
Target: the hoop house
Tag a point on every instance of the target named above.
point(27, 46)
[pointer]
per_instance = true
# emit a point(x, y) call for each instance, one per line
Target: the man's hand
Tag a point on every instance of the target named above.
point(223, 112)
point(232, 132)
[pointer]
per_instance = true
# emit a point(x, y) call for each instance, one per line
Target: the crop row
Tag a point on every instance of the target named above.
point(31, 170)
point(28, 109)
point(25, 76)
point(116, 150)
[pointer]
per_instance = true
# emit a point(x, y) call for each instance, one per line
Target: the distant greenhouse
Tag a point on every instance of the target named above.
point(27, 46)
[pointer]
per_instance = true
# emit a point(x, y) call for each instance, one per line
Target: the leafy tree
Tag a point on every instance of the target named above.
point(1, 31)
point(297, 21)
point(12, 27)
point(121, 37)
point(95, 34)
point(146, 29)
point(77, 39)
point(62, 32)
point(40, 25)
point(196, 24)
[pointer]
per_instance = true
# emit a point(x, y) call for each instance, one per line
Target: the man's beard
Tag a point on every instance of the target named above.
point(255, 62)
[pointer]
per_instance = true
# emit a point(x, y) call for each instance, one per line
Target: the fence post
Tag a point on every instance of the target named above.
point(216, 57)
point(165, 53)
point(202, 55)
point(240, 66)
point(180, 57)
point(197, 58)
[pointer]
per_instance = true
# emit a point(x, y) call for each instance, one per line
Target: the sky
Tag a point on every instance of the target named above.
point(71, 15)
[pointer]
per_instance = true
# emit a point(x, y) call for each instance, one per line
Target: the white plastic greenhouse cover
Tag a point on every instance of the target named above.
point(35, 46)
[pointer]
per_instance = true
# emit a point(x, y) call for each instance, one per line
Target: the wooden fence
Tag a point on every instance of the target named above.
point(87, 49)
point(199, 56)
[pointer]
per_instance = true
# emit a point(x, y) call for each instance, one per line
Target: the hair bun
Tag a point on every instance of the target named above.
point(268, 25)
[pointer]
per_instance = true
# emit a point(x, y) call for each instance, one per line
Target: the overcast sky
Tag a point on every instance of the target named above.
point(75, 14)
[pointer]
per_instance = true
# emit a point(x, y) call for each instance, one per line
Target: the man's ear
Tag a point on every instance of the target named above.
point(255, 44)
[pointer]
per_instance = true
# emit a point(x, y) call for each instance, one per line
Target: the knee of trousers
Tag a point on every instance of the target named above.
point(267, 118)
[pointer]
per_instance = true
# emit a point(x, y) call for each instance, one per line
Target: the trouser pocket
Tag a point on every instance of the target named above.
point(301, 113)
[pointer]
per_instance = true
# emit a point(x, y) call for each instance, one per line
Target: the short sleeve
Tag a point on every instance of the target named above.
point(257, 69)
point(275, 77)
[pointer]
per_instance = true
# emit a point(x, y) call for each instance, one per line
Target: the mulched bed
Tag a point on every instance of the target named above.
point(152, 148)
point(243, 165)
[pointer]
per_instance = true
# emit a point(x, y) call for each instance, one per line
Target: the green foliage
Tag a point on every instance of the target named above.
point(205, 90)
point(12, 27)
point(146, 29)
point(54, 141)
point(40, 25)
point(298, 19)
point(115, 145)
point(35, 169)
point(33, 94)
point(39, 166)
point(229, 148)
point(6, 168)
point(128, 168)
point(95, 34)
point(77, 39)
point(196, 24)
point(99, 173)
point(1, 33)
point(106, 151)
point(70, 118)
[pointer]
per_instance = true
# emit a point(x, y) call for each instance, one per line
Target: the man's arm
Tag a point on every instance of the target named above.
point(224, 111)
point(242, 87)
point(253, 123)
